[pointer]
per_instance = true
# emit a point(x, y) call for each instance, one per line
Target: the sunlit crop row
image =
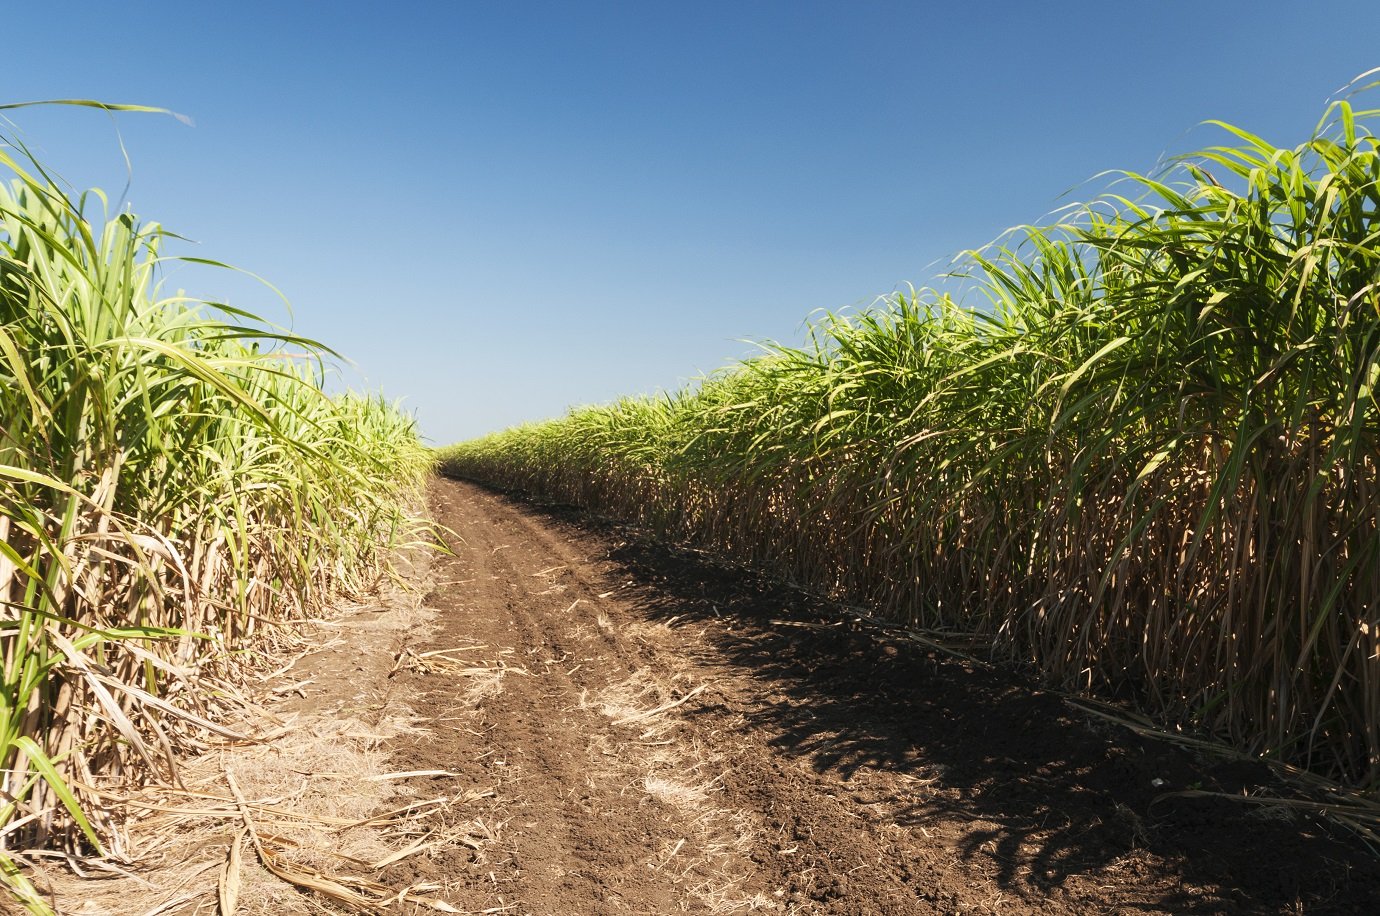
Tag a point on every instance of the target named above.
point(174, 486)
point(1141, 457)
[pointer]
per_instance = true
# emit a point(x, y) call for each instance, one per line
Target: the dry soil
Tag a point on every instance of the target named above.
point(658, 733)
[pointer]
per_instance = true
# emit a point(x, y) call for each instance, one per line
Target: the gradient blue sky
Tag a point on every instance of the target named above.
point(497, 210)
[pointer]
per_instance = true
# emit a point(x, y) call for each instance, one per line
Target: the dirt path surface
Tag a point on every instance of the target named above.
point(648, 732)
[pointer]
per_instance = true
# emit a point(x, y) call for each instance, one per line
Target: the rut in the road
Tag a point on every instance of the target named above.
point(664, 735)
point(604, 801)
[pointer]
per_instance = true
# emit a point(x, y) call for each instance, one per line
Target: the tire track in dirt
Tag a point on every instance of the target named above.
point(558, 715)
point(662, 734)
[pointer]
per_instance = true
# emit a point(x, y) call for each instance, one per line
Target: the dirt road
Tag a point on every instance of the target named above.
point(658, 734)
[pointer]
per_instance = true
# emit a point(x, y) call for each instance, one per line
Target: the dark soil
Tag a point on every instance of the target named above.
point(845, 768)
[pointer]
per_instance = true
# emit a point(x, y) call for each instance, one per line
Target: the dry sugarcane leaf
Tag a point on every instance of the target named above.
point(313, 881)
point(229, 887)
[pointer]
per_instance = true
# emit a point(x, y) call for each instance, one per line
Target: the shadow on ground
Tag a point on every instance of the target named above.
point(1035, 790)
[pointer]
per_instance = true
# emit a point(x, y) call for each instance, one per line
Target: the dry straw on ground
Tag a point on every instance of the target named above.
point(307, 820)
point(648, 750)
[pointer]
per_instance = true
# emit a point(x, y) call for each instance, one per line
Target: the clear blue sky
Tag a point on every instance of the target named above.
point(497, 210)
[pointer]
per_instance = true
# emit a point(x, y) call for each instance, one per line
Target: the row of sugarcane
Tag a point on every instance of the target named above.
point(175, 488)
point(1142, 463)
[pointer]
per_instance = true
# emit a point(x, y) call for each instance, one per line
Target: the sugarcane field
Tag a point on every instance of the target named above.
point(381, 548)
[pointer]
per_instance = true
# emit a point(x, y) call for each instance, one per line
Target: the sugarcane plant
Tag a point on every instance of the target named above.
point(174, 483)
point(1135, 450)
